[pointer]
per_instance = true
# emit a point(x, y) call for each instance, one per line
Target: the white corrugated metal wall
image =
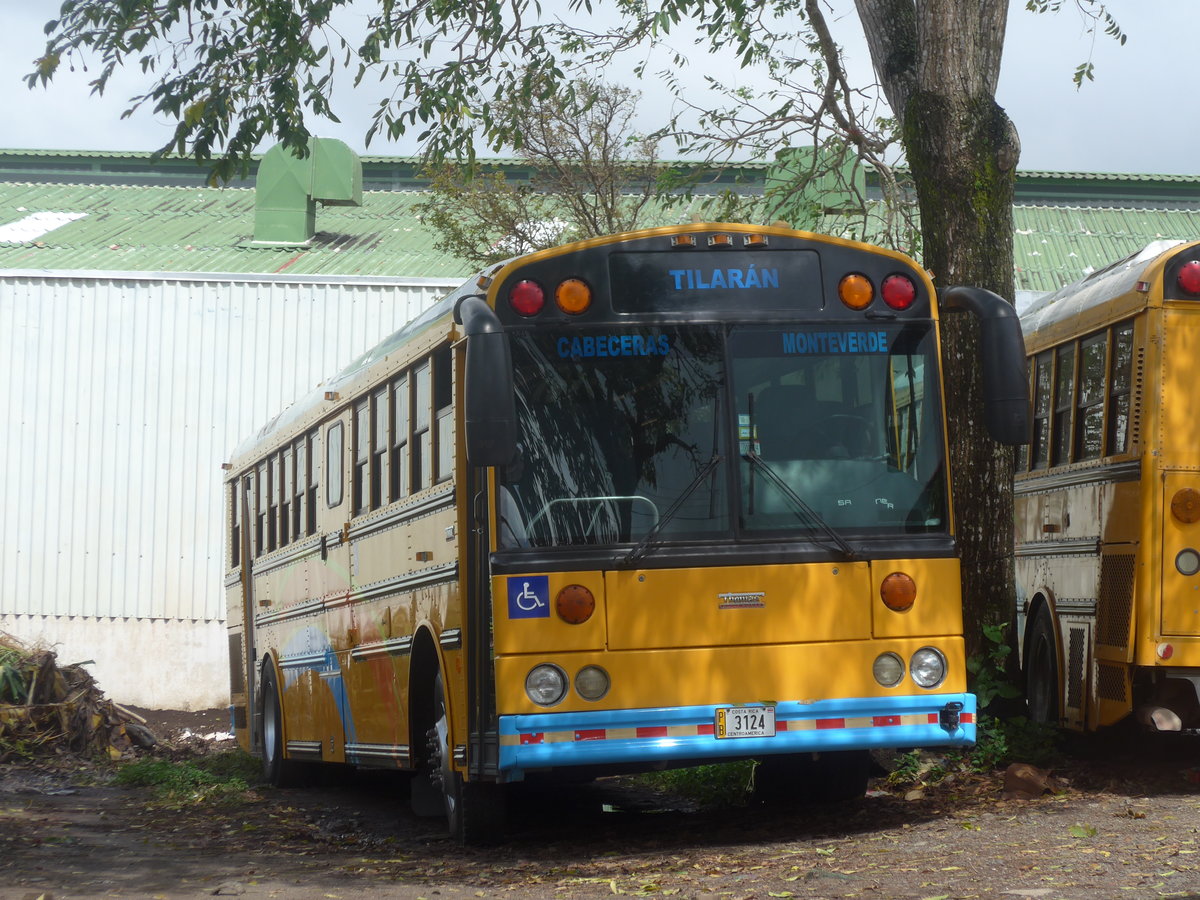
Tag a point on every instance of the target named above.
point(123, 394)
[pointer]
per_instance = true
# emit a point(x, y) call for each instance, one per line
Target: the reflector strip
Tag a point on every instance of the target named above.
point(651, 732)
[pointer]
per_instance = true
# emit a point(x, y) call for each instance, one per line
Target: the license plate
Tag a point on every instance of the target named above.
point(745, 721)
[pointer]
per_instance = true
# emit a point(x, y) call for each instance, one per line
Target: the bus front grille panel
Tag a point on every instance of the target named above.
point(1110, 683)
point(1116, 600)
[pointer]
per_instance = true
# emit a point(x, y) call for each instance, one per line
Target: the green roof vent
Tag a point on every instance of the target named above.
point(805, 183)
point(288, 187)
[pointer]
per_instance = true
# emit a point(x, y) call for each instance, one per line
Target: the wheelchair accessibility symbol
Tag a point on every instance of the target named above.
point(529, 597)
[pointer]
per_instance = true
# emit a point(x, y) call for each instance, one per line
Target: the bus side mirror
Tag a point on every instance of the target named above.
point(489, 410)
point(1005, 373)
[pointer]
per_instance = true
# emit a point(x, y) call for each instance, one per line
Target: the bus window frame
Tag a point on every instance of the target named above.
point(335, 477)
point(1079, 453)
point(1062, 434)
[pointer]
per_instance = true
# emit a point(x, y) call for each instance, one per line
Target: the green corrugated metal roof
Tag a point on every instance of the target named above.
point(195, 229)
point(173, 229)
point(1055, 245)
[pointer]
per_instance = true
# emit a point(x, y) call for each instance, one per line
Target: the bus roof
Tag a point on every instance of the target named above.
point(296, 416)
point(1113, 280)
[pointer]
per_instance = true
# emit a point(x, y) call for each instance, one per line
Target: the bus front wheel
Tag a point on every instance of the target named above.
point(475, 810)
point(1041, 670)
point(277, 771)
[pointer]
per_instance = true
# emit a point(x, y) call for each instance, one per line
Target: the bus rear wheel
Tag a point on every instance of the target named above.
point(1041, 670)
point(475, 810)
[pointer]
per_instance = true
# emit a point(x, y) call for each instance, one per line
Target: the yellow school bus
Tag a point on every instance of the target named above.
point(1108, 497)
point(655, 499)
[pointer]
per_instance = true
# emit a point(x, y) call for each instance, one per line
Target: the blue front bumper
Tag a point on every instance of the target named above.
point(686, 734)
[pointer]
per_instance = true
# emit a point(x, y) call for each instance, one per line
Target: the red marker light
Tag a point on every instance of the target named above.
point(898, 291)
point(526, 298)
point(1188, 278)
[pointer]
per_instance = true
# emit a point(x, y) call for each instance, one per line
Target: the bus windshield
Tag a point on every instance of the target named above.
point(716, 432)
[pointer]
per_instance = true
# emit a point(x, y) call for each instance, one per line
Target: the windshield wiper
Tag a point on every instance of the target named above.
point(641, 547)
point(813, 516)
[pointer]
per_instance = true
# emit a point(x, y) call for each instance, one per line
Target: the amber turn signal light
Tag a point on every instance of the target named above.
point(574, 604)
point(856, 291)
point(899, 592)
point(573, 296)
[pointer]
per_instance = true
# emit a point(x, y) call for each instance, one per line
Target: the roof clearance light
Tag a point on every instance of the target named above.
point(856, 291)
point(1188, 278)
point(720, 240)
point(755, 240)
point(898, 592)
point(898, 291)
point(573, 296)
point(683, 240)
point(526, 298)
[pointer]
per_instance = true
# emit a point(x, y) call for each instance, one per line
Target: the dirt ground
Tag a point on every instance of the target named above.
point(1125, 824)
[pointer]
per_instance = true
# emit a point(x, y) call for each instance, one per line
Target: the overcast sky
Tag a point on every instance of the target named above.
point(1137, 116)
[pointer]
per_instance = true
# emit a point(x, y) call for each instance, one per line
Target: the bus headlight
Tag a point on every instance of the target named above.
point(888, 669)
point(546, 685)
point(591, 682)
point(928, 667)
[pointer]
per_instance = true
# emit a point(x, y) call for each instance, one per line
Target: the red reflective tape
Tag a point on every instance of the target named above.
point(831, 723)
point(781, 725)
point(591, 734)
point(933, 719)
point(655, 731)
point(535, 738)
point(706, 729)
point(966, 718)
point(885, 720)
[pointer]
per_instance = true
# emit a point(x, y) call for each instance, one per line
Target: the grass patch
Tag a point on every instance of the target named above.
point(223, 778)
point(717, 784)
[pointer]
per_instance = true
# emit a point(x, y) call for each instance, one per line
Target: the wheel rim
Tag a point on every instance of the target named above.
point(270, 729)
point(444, 769)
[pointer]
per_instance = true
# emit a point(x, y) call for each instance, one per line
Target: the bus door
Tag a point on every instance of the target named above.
point(313, 665)
point(1181, 554)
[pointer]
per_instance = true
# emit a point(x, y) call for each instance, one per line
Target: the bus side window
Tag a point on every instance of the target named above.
point(300, 471)
point(1120, 380)
point(1089, 412)
point(235, 525)
point(379, 446)
point(260, 512)
point(287, 481)
point(362, 457)
point(1064, 397)
point(1040, 451)
point(400, 429)
point(333, 465)
point(312, 454)
point(443, 398)
point(272, 489)
point(422, 442)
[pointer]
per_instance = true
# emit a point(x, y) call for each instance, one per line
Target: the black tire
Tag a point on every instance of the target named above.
point(1041, 670)
point(798, 778)
point(277, 771)
point(475, 810)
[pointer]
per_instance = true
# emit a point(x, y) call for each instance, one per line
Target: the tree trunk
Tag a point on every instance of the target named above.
point(938, 61)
